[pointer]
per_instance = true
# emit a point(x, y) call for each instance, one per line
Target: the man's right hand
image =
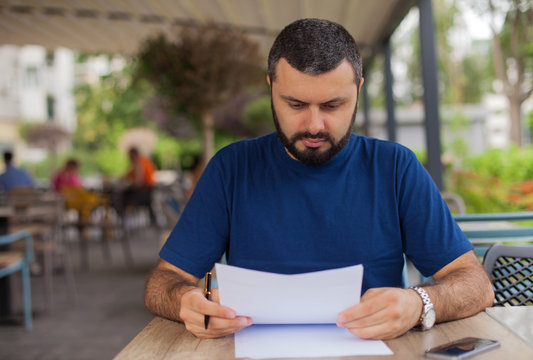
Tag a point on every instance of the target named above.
point(222, 320)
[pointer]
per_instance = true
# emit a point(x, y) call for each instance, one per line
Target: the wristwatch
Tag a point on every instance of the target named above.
point(427, 319)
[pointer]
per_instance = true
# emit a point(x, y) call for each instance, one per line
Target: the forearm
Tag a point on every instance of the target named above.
point(461, 292)
point(163, 293)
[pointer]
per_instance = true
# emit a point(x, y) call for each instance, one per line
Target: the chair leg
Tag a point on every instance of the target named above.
point(48, 272)
point(26, 292)
point(128, 257)
point(84, 253)
point(69, 274)
point(106, 250)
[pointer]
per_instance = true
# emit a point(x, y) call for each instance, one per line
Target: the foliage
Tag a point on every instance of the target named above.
point(258, 115)
point(512, 51)
point(463, 77)
point(107, 109)
point(491, 182)
point(199, 70)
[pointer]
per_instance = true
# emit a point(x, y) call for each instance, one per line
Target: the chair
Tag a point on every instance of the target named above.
point(13, 261)
point(511, 271)
point(94, 210)
point(41, 215)
point(455, 203)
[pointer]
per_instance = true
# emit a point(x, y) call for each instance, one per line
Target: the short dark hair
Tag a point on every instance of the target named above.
point(8, 157)
point(315, 46)
point(72, 163)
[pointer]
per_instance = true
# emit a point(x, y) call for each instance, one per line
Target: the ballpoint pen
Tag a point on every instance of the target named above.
point(207, 293)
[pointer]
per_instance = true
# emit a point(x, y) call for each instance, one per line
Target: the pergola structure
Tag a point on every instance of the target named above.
point(120, 26)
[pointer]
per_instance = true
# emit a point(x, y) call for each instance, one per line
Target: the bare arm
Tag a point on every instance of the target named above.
point(461, 289)
point(173, 294)
point(165, 287)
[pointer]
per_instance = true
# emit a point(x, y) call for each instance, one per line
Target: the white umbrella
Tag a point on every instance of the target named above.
point(143, 139)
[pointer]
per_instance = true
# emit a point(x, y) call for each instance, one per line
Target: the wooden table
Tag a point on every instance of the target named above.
point(164, 339)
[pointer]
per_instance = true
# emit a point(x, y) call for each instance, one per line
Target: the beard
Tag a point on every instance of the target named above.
point(313, 156)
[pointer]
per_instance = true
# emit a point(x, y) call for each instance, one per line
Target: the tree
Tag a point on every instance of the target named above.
point(47, 135)
point(513, 55)
point(201, 69)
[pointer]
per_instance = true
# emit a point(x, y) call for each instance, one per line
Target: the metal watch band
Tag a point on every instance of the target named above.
point(427, 318)
point(423, 294)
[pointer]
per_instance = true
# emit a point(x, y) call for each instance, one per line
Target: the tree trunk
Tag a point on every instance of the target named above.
point(207, 137)
point(516, 120)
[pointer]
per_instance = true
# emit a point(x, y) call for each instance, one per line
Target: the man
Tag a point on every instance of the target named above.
point(14, 177)
point(316, 197)
point(141, 174)
point(140, 180)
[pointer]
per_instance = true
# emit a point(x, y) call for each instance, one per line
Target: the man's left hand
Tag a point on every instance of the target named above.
point(383, 313)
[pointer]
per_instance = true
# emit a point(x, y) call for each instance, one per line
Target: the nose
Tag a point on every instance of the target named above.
point(315, 123)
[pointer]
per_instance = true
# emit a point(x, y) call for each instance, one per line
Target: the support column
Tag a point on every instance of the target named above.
point(431, 96)
point(389, 96)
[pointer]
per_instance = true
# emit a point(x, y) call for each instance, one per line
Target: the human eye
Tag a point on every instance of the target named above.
point(296, 105)
point(331, 106)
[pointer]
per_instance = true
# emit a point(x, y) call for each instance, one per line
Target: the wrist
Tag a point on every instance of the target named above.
point(427, 315)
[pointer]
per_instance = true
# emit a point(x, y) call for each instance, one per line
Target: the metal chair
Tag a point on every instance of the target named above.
point(511, 271)
point(13, 261)
point(41, 214)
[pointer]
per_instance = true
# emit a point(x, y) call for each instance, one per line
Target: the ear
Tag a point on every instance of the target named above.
point(268, 81)
point(361, 84)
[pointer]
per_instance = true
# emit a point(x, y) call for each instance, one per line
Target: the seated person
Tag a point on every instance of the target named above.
point(68, 182)
point(13, 177)
point(140, 178)
point(67, 176)
point(315, 196)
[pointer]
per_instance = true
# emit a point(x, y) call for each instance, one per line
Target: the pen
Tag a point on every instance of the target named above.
point(207, 293)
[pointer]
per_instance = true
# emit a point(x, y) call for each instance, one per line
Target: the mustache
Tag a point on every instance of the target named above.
point(307, 135)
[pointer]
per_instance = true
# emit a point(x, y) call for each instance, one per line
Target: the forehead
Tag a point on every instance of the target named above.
point(334, 83)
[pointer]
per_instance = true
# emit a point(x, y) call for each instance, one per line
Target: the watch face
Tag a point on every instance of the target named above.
point(429, 318)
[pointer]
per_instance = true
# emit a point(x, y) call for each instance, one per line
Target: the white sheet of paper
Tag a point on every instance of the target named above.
point(282, 341)
point(309, 298)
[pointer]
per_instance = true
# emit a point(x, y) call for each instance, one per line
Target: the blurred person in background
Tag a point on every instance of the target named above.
point(139, 179)
point(141, 173)
point(14, 177)
point(67, 176)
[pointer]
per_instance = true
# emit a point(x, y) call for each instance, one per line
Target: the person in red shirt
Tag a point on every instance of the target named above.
point(68, 176)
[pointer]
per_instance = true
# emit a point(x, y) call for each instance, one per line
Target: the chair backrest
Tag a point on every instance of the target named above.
point(511, 271)
point(33, 208)
point(455, 203)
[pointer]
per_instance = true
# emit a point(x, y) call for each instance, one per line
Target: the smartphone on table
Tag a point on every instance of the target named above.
point(462, 348)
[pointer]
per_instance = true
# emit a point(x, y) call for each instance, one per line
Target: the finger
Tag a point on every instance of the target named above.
point(373, 319)
point(382, 331)
point(370, 303)
point(214, 296)
point(219, 327)
point(200, 304)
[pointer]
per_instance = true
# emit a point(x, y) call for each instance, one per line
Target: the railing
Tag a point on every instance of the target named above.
point(484, 230)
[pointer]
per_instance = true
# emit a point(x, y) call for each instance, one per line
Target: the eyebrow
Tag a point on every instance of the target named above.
point(334, 100)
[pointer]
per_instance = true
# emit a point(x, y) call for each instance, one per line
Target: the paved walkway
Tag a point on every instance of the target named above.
point(109, 311)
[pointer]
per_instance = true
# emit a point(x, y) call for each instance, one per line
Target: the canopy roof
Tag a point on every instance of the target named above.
point(121, 25)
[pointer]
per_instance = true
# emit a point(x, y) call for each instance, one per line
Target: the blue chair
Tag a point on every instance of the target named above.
point(13, 261)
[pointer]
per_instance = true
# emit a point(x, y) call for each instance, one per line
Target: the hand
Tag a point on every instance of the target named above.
point(223, 320)
point(383, 313)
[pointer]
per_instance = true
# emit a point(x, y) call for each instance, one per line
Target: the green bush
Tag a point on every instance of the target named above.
point(490, 182)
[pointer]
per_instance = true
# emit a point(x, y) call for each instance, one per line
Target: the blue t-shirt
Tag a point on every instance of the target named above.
point(369, 205)
point(14, 177)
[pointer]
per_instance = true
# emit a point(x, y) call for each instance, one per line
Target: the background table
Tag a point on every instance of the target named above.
point(164, 339)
